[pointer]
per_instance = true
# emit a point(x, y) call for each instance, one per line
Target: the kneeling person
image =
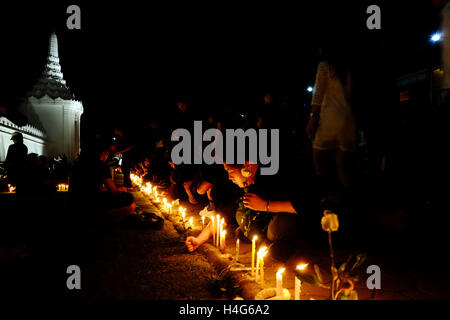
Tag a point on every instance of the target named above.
point(263, 210)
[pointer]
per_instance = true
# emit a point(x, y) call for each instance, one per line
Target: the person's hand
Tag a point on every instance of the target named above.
point(254, 202)
point(122, 189)
point(192, 243)
point(311, 127)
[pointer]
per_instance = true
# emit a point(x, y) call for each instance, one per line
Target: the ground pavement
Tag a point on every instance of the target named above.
point(130, 263)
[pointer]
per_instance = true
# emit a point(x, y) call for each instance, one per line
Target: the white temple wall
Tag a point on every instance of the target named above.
point(59, 118)
point(35, 144)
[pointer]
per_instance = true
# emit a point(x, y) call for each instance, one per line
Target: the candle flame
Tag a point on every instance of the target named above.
point(255, 238)
point(301, 266)
point(262, 252)
point(280, 272)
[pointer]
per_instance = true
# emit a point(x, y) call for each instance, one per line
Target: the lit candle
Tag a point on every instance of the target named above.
point(261, 253)
point(237, 250)
point(298, 283)
point(203, 222)
point(253, 254)
point(222, 241)
point(213, 230)
point(169, 208)
point(257, 269)
point(191, 222)
point(280, 281)
point(218, 231)
point(221, 232)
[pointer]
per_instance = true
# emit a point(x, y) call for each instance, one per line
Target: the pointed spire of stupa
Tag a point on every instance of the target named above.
point(53, 68)
point(52, 82)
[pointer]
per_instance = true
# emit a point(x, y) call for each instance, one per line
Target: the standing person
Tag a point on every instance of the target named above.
point(331, 120)
point(15, 159)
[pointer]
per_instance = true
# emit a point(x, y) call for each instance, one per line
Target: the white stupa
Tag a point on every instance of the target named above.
point(52, 108)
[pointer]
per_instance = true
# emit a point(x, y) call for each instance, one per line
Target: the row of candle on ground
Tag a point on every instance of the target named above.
point(63, 187)
point(218, 231)
point(165, 206)
point(259, 271)
point(219, 236)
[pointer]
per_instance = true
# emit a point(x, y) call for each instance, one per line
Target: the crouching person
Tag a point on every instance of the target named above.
point(262, 211)
point(92, 187)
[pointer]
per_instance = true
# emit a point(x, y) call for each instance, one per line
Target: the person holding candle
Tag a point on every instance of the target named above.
point(192, 243)
point(264, 210)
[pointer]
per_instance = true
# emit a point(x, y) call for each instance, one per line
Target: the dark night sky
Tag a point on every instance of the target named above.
point(140, 57)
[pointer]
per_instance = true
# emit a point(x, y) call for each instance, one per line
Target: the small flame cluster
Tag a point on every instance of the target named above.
point(63, 187)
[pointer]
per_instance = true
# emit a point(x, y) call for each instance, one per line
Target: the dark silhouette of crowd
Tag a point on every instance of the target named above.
point(33, 174)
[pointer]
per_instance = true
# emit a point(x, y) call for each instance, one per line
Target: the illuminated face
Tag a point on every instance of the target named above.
point(182, 106)
point(268, 98)
point(260, 123)
point(234, 174)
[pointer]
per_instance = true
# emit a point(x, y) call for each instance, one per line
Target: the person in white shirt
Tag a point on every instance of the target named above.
point(331, 121)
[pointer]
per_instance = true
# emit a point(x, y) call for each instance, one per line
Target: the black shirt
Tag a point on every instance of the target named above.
point(16, 155)
point(88, 176)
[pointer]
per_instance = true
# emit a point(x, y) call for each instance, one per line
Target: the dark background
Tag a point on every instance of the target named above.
point(130, 60)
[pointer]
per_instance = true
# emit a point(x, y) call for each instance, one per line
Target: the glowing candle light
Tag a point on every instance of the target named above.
point(191, 222)
point(218, 230)
point(11, 188)
point(261, 253)
point(213, 230)
point(280, 281)
point(222, 240)
point(298, 283)
point(253, 254)
point(220, 234)
point(237, 250)
point(257, 270)
point(203, 222)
